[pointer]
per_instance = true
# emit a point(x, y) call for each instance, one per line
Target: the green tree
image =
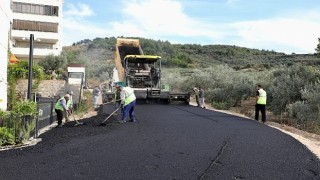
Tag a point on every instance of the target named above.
point(20, 71)
point(53, 63)
point(305, 113)
point(286, 86)
point(318, 47)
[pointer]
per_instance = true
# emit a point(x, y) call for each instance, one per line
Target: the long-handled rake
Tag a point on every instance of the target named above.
point(103, 122)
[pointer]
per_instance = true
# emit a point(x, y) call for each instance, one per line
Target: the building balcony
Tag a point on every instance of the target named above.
point(44, 37)
point(23, 53)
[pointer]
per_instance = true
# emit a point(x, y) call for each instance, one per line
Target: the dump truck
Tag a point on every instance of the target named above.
point(143, 73)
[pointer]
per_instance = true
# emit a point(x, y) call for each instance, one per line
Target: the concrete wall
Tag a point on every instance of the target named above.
point(50, 88)
point(47, 88)
point(5, 19)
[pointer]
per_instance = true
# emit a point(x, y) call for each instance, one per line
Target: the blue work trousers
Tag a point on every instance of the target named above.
point(129, 109)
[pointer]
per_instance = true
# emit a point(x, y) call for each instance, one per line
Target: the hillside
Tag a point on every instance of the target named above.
point(97, 55)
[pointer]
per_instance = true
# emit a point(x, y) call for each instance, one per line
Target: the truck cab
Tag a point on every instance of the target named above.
point(76, 74)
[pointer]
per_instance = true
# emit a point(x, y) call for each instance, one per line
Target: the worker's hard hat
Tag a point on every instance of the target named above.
point(67, 96)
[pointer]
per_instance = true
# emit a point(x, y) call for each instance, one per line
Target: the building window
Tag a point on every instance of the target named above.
point(46, 10)
point(56, 10)
point(35, 26)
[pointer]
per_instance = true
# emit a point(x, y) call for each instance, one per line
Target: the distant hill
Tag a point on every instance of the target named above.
point(98, 54)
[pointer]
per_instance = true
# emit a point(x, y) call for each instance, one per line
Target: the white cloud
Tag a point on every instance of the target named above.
point(75, 27)
point(158, 19)
point(78, 10)
point(299, 33)
point(154, 17)
point(85, 27)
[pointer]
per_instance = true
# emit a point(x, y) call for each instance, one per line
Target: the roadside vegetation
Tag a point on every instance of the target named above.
point(18, 124)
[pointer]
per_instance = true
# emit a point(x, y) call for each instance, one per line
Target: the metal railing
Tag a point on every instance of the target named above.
point(46, 111)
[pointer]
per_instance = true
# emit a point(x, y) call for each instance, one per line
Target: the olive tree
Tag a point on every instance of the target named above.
point(53, 63)
point(306, 113)
point(287, 85)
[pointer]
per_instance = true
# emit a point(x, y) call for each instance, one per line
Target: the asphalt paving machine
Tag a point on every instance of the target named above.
point(142, 73)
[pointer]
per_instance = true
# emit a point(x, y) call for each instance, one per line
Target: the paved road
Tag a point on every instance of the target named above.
point(169, 142)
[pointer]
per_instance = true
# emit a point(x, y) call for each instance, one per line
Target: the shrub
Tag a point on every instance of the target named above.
point(30, 125)
point(6, 136)
point(305, 113)
point(221, 83)
point(19, 71)
point(85, 105)
point(18, 123)
point(286, 86)
point(25, 108)
point(220, 105)
point(3, 117)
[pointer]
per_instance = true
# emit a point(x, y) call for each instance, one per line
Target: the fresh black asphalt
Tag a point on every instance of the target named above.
point(170, 142)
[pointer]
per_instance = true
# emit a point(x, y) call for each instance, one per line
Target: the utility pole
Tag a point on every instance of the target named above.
point(30, 67)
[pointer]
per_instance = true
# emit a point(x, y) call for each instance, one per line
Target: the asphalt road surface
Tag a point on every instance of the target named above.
point(170, 142)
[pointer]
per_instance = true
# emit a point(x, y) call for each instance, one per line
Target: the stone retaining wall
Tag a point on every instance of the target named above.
point(47, 88)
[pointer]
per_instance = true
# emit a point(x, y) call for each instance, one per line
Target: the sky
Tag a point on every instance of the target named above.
point(289, 26)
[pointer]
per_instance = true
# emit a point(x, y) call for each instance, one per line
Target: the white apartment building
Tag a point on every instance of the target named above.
point(5, 19)
point(41, 18)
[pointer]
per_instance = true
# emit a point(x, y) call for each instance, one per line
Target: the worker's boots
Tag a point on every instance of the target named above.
point(121, 121)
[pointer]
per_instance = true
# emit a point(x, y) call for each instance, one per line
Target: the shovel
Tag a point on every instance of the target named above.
point(103, 122)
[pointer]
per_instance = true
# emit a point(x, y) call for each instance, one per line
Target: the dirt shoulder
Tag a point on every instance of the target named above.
point(311, 141)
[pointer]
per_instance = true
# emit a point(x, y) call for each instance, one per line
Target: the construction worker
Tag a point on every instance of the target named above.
point(96, 93)
point(196, 93)
point(61, 108)
point(69, 106)
point(128, 101)
point(201, 98)
point(261, 101)
point(70, 102)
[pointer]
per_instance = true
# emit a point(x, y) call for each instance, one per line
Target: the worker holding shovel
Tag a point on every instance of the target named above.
point(128, 101)
point(61, 107)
